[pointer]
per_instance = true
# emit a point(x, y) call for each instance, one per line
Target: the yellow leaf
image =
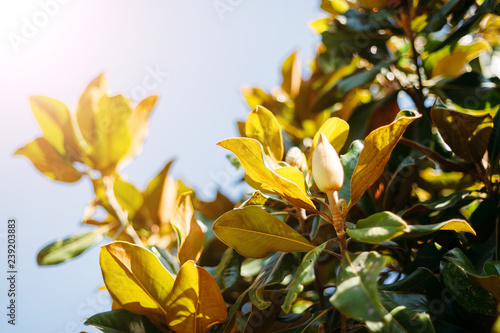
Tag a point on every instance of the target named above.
point(48, 161)
point(291, 75)
point(87, 107)
point(255, 233)
point(320, 25)
point(190, 236)
point(161, 196)
point(371, 4)
point(334, 7)
point(55, 121)
point(453, 63)
point(292, 174)
point(336, 130)
point(458, 225)
point(377, 150)
point(196, 302)
point(249, 152)
point(262, 126)
point(136, 279)
point(138, 123)
point(113, 140)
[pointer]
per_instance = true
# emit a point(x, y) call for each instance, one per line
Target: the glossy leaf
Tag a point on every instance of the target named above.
point(55, 121)
point(357, 280)
point(491, 282)
point(349, 161)
point(457, 225)
point(467, 135)
point(249, 152)
point(189, 234)
point(64, 249)
point(136, 279)
point(378, 228)
point(138, 123)
point(304, 271)
point(262, 126)
point(227, 272)
point(399, 318)
point(196, 302)
point(161, 196)
point(453, 62)
point(276, 269)
point(122, 321)
point(378, 146)
point(254, 233)
point(336, 130)
point(48, 161)
point(456, 271)
point(363, 77)
point(291, 75)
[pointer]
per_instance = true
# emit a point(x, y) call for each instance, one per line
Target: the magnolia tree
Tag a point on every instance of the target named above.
point(363, 216)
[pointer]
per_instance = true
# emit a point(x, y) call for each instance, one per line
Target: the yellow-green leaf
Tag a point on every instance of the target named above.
point(196, 302)
point(138, 123)
point(48, 161)
point(378, 146)
point(161, 195)
point(262, 126)
point(467, 135)
point(87, 107)
point(255, 233)
point(136, 279)
point(336, 130)
point(249, 152)
point(291, 75)
point(54, 119)
point(189, 234)
point(457, 225)
point(453, 63)
point(113, 139)
point(292, 174)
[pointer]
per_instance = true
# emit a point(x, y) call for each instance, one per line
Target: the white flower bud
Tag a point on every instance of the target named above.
point(327, 170)
point(295, 157)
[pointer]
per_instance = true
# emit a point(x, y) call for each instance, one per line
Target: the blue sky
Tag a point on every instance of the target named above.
point(199, 57)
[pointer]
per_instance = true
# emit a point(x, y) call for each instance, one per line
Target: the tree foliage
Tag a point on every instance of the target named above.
point(407, 241)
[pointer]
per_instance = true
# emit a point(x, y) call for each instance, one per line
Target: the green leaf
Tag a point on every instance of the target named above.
point(442, 203)
point(122, 321)
point(48, 161)
point(470, 90)
point(259, 199)
point(490, 283)
point(277, 267)
point(467, 135)
point(64, 249)
point(304, 271)
point(421, 281)
point(492, 268)
point(349, 161)
point(357, 280)
point(398, 318)
point(364, 77)
point(255, 233)
point(456, 272)
point(228, 270)
point(375, 154)
point(378, 228)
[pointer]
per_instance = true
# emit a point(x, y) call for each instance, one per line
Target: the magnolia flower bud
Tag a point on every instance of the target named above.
point(327, 170)
point(295, 157)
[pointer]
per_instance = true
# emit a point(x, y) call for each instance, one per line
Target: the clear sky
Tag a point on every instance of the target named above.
point(200, 57)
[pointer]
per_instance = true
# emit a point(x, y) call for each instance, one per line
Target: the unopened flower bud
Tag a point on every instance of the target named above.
point(295, 157)
point(327, 170)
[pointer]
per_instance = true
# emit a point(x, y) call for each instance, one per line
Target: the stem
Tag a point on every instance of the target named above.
point(337, 220)
point(118, 211)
